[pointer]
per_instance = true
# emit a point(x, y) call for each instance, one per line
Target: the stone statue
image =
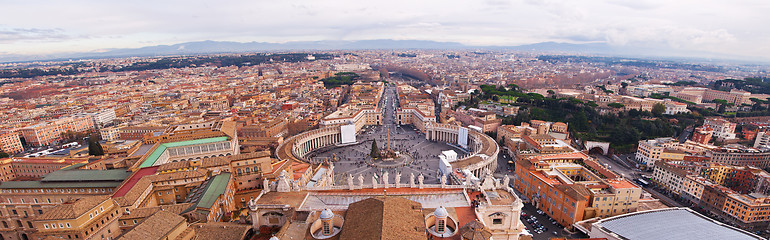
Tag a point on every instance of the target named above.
point(284, 185)
point(265, 184)
point(374, 182)
point(420, 180)
point(506, 181)
point(487, 172)
point(411, 180)
point(398, 179)
point(360, 181)
point(385, 179)
point(443, 181)
point(350, 182)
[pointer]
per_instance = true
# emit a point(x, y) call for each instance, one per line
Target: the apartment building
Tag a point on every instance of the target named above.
point(570, 192)
point(653, 150)
point(31, 168)
point(100, 117)
point(10, 143)
point(46, 133)
point(110, 133)
point(741, 156)
point(702, 134)
point(723, 129)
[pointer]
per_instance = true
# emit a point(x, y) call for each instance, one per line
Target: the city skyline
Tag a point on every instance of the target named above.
point(33, 28)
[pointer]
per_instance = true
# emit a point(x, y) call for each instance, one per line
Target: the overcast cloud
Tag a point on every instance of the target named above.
point(737, 27)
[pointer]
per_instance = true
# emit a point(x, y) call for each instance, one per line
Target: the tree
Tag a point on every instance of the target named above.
point(375, 151)
point(94, 148)
point(616, 105)
point(658, 109)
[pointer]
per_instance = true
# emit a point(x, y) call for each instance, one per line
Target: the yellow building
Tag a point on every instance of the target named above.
point(87, 218)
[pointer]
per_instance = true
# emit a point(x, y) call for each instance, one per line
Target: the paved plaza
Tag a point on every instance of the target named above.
point(351, 159)
point(405, 139)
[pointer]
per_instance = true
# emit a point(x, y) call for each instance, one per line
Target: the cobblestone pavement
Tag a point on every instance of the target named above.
point(405, 139)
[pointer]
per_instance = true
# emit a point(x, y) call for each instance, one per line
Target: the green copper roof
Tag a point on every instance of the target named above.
point(217, 187)
point(206, 198)
point(150, 160)
point(74, 178)
point(83, 175)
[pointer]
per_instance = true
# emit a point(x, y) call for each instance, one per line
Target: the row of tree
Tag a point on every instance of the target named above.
point(623, 130)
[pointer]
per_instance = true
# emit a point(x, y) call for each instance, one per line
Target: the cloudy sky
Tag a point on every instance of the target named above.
point(735, 27)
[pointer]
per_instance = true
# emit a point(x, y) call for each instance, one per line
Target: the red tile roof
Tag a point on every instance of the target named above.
point(133, 180)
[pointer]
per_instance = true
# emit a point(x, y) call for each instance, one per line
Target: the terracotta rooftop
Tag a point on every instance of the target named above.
point(293, 199)
point(575, 191)
point(389, 218)
point(174, 166)
point(157, 226)
point(149, 211)
point(133, 194)
point(73, 210)
point(177, 175)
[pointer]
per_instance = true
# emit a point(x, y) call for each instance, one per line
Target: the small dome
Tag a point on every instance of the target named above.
point(326, 214)
point(441, 212)
point(274, 238)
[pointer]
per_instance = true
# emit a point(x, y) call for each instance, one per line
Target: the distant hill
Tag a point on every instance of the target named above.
point(210, 47)
point(225, 47)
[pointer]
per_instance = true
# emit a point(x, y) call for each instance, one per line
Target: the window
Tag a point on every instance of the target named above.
point(326, 228)
point(68, 225)
point(440, 226)
point(44, 226)
point(497, 221)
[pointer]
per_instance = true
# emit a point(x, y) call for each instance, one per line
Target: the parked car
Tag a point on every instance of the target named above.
point(540, 212)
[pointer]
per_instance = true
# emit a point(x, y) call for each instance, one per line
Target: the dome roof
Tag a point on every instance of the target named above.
point(441, 212)
point(327, 214)
point(274, 238)
point(475, 231)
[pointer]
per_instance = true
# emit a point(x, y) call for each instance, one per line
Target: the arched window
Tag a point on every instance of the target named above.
point(5, 224)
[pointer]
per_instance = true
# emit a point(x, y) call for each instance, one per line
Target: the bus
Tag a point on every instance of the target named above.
point(642, 182)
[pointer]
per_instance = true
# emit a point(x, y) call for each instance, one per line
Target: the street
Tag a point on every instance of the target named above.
point(622, 167)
